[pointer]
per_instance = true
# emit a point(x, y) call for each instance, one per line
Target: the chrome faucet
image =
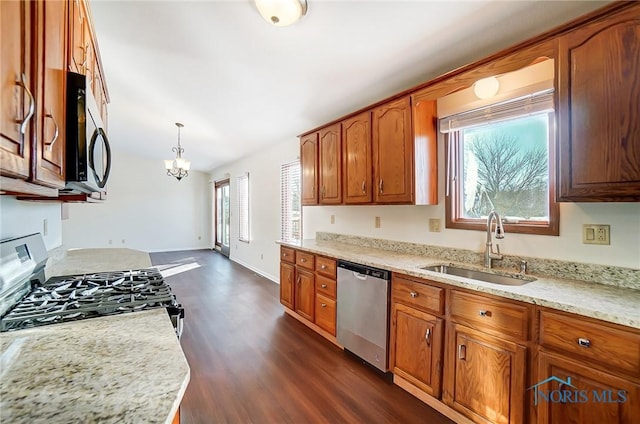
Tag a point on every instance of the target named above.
point(489, 254)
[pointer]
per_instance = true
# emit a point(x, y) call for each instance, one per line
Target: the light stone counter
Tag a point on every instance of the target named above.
point(619, 305)
point(81, 261)
point(126, 368)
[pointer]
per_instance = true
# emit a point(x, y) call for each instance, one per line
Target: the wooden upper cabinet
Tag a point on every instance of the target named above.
point(599, 112)
point(78, 37)
point(16, 21)
point(393, 152)
point(356, 159)
point(51, 112)
point(330, 148)
point(425, 148)
point(309, 169)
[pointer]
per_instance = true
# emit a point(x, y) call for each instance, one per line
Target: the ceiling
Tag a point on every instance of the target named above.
point(239, 84)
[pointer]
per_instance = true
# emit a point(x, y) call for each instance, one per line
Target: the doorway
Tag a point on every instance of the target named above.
point(222, 214)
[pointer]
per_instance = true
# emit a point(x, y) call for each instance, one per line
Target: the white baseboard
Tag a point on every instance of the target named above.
point(177, 249)
point(256, 270)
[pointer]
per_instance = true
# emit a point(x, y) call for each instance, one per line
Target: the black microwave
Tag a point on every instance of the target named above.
point(88, 153)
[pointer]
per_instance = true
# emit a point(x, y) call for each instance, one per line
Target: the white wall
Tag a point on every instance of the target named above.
point(19, 218)
point(261, 254)
point(145, 210)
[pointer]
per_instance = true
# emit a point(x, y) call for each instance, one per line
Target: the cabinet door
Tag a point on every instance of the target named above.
point(485, 379)
point(393, 152)
point(330, 165)
point(309, 168)
point(305, 293)
point(425, 149)
point(356, 159)
point(416, 347)
point(78, 44)
point(16, 93)
point(326, 314)
point(593, 397)
point(50, 147)
point(286, 285)
point(599, 116)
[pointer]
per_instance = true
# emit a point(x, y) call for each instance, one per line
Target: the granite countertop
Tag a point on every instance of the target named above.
point(126, 368)
point(618, 305)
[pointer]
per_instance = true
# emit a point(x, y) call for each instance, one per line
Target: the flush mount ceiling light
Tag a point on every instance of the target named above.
point(178, 167)
point(282, 12)
point(486, 87)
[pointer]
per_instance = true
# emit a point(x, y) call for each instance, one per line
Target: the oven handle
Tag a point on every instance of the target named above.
point(100, 179)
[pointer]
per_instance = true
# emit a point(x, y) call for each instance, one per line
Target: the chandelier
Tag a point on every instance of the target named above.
point(178, 167)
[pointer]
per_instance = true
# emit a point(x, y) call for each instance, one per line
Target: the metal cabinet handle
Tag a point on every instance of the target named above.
point(324, 190)
point(324, 305)
point(462, 352)
point(364, 187)
point(427, 336)
point(284, 254)
point(324, 286)
point(380, 185)
point(413, 294)
point(485, 313)
point(22, 82)
point(323, 266)
point(584, 342)
point(298, 281)
point(303, 260)
point(55, 133)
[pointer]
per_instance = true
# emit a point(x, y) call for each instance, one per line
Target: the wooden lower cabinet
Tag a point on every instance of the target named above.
point(580, 394)
point(305, 294)
point(287, 278)
point(485, 376)
point(416, 343)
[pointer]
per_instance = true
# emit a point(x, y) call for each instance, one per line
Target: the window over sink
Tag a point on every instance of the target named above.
point(500, 155)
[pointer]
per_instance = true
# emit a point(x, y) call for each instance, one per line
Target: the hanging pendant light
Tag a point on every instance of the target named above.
point(178, 167)
point(282, 12)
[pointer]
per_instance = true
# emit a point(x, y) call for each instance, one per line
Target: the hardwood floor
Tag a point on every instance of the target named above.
point(251, 363)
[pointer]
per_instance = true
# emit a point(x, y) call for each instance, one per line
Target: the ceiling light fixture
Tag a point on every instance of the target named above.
point(282, 12)
point(178, 167)
point(486, 87)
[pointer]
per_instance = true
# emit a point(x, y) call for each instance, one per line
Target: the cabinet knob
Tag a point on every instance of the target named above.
point(323, 266)
point(413, 294)
point(324, 286)
point(485, 313)
point(324, 305)
point(22, 82)
point(284, 254)
point(303, 260)
point(584, 342)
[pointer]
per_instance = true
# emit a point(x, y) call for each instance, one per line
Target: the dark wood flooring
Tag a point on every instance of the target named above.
point(252, 363)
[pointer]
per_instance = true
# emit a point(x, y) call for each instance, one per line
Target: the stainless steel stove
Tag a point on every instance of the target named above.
point(27, 300)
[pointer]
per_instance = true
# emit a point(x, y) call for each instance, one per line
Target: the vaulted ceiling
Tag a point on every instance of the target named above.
point(239, 84)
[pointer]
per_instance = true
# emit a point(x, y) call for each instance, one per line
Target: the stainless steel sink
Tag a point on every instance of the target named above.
point(474, 274)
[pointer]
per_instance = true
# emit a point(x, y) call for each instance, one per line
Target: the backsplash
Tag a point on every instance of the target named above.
point(601, 274)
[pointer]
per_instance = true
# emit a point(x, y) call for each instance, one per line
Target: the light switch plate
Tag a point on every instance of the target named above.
point(596, 234)
point(434, 225)
point(376, 222)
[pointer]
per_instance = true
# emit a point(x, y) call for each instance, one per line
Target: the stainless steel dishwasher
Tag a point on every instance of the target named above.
point(363, 312)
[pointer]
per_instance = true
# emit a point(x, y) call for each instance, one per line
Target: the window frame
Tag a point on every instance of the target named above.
point(286, 208)
point(244, 224)
point(453, 175)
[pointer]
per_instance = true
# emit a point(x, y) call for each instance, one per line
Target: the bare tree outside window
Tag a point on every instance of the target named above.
point(506, 169)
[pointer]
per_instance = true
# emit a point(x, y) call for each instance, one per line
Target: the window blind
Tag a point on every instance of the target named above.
point(243, 207)
point(524, 106)
point(290, 210)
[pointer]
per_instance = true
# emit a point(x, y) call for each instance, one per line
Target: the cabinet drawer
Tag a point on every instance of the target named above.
point(593, 341)
point(326, 266)
point(326, 314)
point(326, 286)
point(304, 259)
point(492, 316)
point(421, 296)
point(287, 254)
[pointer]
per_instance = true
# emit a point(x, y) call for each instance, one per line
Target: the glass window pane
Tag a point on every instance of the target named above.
point(506, 167)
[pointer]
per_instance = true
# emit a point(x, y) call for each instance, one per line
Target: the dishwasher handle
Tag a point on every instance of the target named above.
point(365, 270)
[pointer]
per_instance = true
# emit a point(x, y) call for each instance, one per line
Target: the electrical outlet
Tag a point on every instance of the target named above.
point(434, 225)
point(110, 241)
point(123, 241)
point(333, 219)
point(376, 222)
point(596, 234)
